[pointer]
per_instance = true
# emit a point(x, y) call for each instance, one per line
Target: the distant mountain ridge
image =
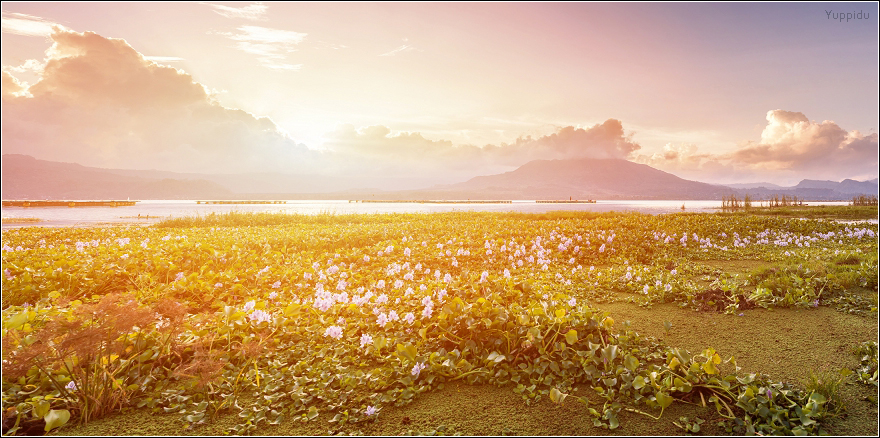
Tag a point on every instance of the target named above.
point(589, 178)
point(765, 185)
point(846, 186)
point(814, 189)
point(25, 177)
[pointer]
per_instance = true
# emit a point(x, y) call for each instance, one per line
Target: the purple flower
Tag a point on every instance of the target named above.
point(333, 332)
point(259, 316)
point(417, 368)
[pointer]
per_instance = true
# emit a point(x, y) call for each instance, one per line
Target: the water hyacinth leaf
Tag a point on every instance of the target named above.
point(745, 380)
point(571, 337)
point(608, 322)
point(56, 418)
point(613, 422)
point(663, 399)
point(709, 367)
point(631, 363)
point(682, 385)
point(292, 310)
point(495, 357)
point(609, 353)
point(41, 408)
point(16, 321)
point(533, 334)
point(638, 382)
point(557, 396)
point(408, 351)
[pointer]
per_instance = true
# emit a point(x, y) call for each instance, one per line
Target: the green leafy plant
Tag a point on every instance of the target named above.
point(273, 318)
point(827, 383)
point(688, 425)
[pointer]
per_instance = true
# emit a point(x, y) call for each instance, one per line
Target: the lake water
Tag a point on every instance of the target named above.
point(90, 216)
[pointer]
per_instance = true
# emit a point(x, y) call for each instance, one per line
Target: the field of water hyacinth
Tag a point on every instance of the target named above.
point(471, 323)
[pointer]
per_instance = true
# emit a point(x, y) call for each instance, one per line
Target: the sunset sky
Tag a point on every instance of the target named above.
point(439, 92)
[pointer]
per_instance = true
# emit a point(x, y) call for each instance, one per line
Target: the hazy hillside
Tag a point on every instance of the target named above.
point(255, 182)
point(589, 179)
point(25, 177)
point(847, 186)
point(757, 185)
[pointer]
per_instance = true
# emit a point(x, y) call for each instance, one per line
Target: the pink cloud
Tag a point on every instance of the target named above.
point(605, 140)
point(790, 141)
point(410, 153)
point(99, 102)
point(791, 148)
point(11, 85)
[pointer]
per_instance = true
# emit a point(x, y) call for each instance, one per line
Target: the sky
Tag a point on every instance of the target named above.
point(416, 94)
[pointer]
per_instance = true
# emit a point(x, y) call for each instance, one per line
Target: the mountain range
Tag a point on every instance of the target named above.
point(25, 177)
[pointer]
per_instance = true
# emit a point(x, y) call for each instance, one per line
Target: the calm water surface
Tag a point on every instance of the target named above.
point(90, 216)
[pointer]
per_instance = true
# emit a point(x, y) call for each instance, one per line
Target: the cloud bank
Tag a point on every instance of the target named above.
point(791, 147)
point(99, 102)
point(378, 149)
point(790, 141)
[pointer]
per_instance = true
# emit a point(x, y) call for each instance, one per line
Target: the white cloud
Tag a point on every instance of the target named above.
point(401, 49)
point(161, 59)
point(380, 151)
point(31, 65)
point(270, 45)
point(256, 11)
point(790, 141)
point(27, 25)
point(100, 103)
point(791, 148)
point(12, 87)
